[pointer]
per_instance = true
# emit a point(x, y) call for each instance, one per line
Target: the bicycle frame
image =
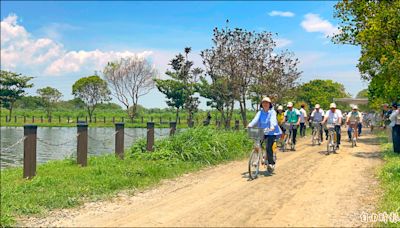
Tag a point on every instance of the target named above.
point(257, 154)
point(317, 129)
point(289, 139)
point(354, 132)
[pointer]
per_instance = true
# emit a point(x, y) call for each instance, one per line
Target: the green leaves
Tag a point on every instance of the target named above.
point(12, 88)
point(320, 92)
point(182, 85)
point(92, 90)
point(375, 26)
point(49, 97)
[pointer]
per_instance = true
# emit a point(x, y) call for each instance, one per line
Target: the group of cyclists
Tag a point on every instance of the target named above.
point(278, 123)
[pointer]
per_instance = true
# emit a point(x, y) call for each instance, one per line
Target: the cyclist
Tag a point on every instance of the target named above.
point(334, 116)
point(317, 116)
point(292, 116)
point(303, 120)
point(354, 116)
point(281, 118)
point(266, 118)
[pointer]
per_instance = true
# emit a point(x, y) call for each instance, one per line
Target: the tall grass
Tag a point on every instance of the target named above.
point(202, 145)
point(63, 184)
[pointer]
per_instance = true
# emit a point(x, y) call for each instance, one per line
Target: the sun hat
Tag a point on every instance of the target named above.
point(280, 107)
point(266, 99)
point(317, 106)
point(289, 104)
point(355, 107)
point(333, 105)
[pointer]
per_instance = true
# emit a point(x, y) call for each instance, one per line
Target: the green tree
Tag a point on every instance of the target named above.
point(220, 95)
point(182, 85)
point(247, 61)
point(362, 94)
point(374, 26)
point(50, 96)
point(174, 92)
point(91, 90)
point(320, 92)
point(12, 88)
point(29, 102)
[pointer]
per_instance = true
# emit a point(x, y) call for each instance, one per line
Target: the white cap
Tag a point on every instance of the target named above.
point(317, 106)
point(280, 107)
point(266, 99)
point(333, 105)
point(355, 107)
point(289, 104)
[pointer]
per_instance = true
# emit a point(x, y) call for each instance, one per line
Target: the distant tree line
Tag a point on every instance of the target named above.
point(240, 68)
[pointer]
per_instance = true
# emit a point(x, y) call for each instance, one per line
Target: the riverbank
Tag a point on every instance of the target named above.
point(62, 184)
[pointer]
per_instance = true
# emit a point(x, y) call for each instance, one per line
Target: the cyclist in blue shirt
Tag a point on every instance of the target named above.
point(266, 118)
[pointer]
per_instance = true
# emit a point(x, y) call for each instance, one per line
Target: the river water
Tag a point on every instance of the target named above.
point(100, 141)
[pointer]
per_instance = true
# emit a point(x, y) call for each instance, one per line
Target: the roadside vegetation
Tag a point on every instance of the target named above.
point(63, 184)
point(389, 176)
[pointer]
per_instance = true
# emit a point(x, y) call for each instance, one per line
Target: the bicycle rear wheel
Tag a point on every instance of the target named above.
point(254, 164)
point(284, 143)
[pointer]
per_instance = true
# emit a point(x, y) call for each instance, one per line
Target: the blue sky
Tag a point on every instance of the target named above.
point(59, 42)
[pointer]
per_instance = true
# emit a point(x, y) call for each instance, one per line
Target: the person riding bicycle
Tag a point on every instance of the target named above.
point(281, 118)
point(334, 116)
point(317, 116)
point(266, 118)
point(292, 116)
point(355, 117)
point(303, 120)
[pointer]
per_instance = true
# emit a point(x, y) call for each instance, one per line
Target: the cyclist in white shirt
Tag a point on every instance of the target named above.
point(355, 117)
point(303, 120)
point(334, 116)
point(318, 116)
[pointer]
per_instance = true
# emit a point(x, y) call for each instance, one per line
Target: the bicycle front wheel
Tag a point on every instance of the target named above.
point(254, 164)
point(329, 145)
point(314, 137)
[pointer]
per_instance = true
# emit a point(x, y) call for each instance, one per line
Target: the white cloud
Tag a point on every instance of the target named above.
point(54, 30)
point(282, 42)
point(314, 23)
point(281, 13)
point(20, 50)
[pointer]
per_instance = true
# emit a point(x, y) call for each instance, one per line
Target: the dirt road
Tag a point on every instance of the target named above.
point(308, 188)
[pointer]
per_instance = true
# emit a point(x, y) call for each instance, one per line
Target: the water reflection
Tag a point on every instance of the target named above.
point(101, 141)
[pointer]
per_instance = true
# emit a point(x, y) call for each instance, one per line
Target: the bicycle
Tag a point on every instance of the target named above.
point(289, 136)
point(332, 141)
point(353, 133)
point(257, 157)
point(281, 143)
point(316, 133)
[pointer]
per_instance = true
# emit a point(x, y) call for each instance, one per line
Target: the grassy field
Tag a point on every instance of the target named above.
point(63, 184)
point(389, 176)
